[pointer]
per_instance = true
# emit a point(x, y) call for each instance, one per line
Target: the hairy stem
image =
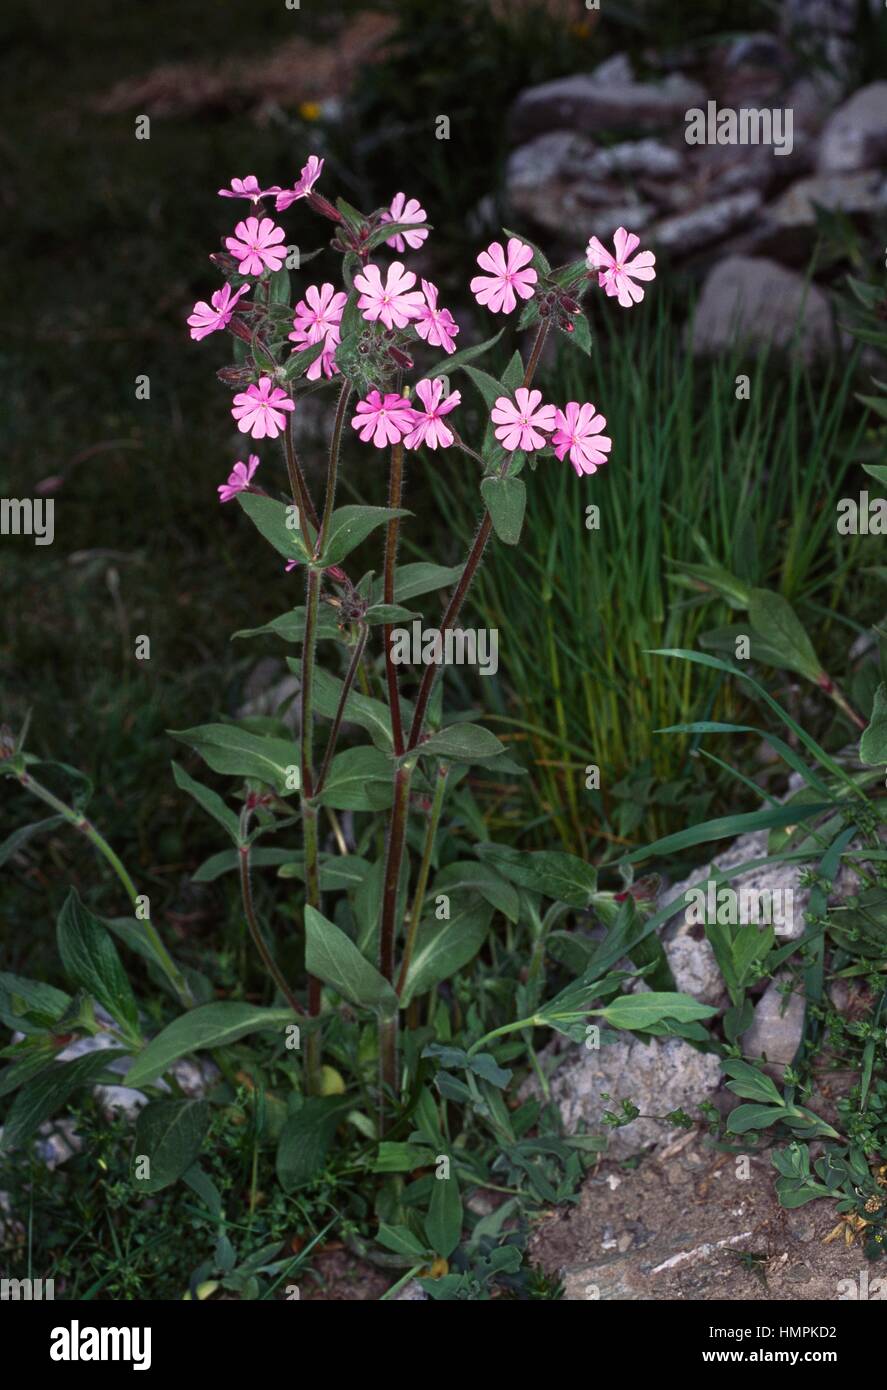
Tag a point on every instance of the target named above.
point(256, 934)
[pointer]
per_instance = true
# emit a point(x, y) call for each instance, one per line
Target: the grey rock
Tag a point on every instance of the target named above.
point(756, 301)
point(775, 878)
point(855, 136)
point(825, 16)
point(853, 194)
point(617, 68)
point(757, 50)
point(657, 1077)
point(648, 157)
point(777, 1026)
point(412, 1292)
point(688, 231)
point(586, 104)
point(558, 182)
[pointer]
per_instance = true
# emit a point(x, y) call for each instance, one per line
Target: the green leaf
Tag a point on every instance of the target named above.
point(229, 749)
point(305, 1139)
point(290, 626)
point(873, 744)
point(461, 743)
point(170, 1134)
point(468, 354)
point(29, 1006)
point(878, 471)
point(467, 876)
point(14, 842)
point(443, 1224)
point(279, 287)
point(638, 1010)
point(351, 525)
point(775, 619)
point(336, 870)
point(276, 521)
point(421, 577)
point(299, 362)
point(402, 1158)
point(387, 230)
point(90, 959)
point(442, 948)
point(751, 1083)
point(48, 1092)
point(506, 500)
point(487, 385)
point(359, 779)
point(581, 334)
point(562, 877)
point(746, 1117)
point(333, 957)
point(228, 861)
point(401, 1241)
point(211, 802)
point(360, 709)
point(211, 1025)
point(540, 262)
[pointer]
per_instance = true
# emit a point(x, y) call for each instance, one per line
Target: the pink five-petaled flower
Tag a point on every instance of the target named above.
point(302, 187)
point(318, 316)
point(436, 326)
point(617, 274)
point(402, 210)
point(507, 279)
point(519, 424)
point(239, 479)
point(255, 245)
point(579, 431)
point(395, 302)
point(245, 188)
point(207, 318)
point(385, 419)
point(259, 410)
point(428, 426)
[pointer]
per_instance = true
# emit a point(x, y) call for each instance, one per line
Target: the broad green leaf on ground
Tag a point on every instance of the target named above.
point(443, 1224)
point(211, 1025)
point(169, 1134)
point(351, 525)
point(48, 1092)
point(442, 948)
point(305, 1139)
point(211, 802)
point(332, 956)
point(747, 1117)
point(229, 749)
point(751, 1083)
point(506, 500)
point(90, 959)
point(638, 1010)
point(774, 618)
point(873, 744)
point(560, 876)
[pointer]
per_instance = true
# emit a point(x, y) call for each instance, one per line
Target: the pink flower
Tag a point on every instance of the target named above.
point(428, 426)
point(436, 326)
point(403, 211)
point(519, 424)
point(579, 431)
point(239, 479)
point(302, 187)
point(506, 278)
point(617, 274)
point(259, 409)
point(318, 316)
point(384, 418)
point(395, 302)
point(245, 188)
point(207, 318)
point(255, 245)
